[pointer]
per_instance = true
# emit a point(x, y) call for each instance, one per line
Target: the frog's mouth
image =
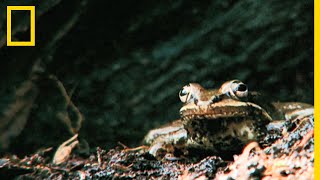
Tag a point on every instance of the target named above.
point(225, 109)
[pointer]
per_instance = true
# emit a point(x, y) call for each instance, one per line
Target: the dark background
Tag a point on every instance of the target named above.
point(124, 63)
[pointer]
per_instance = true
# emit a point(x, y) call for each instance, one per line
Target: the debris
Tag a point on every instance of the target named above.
point(64, 150)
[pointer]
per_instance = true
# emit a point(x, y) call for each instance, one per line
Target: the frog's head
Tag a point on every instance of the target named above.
point(222, 116)
point(227, 102)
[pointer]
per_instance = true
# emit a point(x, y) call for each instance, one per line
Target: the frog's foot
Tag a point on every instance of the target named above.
point(171, 157)
point(64, 150)
point(162, 150)
point(275, 130)
point(301, 121)
point(157, 150)
point(276, 125)
point(295, 119)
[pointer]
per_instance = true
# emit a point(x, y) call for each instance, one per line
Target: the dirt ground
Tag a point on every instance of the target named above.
point(289, 156)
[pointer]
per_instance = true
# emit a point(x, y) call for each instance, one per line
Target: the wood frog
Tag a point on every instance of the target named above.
point(220, 121)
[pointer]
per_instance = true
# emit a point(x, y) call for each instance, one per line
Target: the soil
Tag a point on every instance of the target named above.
point(289, 156)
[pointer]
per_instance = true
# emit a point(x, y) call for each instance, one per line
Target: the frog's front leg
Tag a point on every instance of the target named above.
point(288, 111)
point(166, 138)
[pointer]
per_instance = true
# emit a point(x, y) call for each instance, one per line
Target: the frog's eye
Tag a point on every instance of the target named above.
point(235, 89)
point(239, 89)
point(185, 94)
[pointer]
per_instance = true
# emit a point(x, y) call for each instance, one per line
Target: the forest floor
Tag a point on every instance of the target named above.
point(291, 156)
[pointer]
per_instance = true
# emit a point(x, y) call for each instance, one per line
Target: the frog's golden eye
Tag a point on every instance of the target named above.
point(185, 94)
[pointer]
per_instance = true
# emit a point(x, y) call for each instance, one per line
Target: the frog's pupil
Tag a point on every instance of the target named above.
point(182, 93)
point(242, 87)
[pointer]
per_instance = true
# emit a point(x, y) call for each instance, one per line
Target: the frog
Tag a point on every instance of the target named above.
point(220, 121)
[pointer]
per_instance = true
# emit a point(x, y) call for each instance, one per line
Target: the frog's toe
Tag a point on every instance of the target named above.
point(171, 157)
point(157, 150)
point(276, 125)
point(160, 150)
